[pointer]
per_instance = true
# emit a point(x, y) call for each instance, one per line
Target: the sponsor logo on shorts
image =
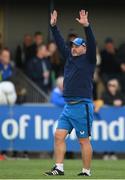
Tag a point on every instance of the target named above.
point(82, 132)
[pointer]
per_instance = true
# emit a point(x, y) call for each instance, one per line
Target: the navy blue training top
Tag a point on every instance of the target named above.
point(79, 70)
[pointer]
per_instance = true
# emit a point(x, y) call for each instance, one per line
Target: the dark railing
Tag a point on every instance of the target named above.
point(33, 94)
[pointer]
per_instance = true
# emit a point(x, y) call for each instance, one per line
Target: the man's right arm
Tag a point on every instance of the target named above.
point(63, 48)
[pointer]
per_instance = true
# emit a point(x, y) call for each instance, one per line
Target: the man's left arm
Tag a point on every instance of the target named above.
point(91, 43)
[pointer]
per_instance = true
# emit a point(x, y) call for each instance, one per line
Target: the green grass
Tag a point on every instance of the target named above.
point(34, 169)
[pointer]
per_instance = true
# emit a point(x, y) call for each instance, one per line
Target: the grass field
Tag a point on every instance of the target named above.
point(34, 169)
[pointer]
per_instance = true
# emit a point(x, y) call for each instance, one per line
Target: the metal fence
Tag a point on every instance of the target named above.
point(33, 94)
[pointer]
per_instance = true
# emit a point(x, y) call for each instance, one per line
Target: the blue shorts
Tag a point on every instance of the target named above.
point(78, 116)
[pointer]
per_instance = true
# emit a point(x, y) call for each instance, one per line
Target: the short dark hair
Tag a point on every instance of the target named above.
point(109, 40)
point(4, 49)
point(51, 41)
point(38, 33)
point(72, 35)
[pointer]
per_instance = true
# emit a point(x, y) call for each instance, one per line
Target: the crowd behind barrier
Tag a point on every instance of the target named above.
point(42, 63)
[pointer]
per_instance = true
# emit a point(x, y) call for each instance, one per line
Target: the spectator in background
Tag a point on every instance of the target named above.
point(5, 66)
point(121, 59)
point(113, 96)
point(38, 40)
point(109, 67)
point(121, 53)
point(55, 59)
point(23, 52)
point(71, 36)
point(39, 69)
point(57, 93)
point(122, 76)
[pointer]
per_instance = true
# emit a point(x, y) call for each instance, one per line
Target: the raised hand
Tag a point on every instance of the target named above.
point(83, 18)
point(53, 20)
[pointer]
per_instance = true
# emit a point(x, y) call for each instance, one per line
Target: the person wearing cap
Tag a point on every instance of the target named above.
point(80, 63)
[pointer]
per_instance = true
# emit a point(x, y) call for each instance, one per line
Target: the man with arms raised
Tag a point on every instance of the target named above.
point(78, 88)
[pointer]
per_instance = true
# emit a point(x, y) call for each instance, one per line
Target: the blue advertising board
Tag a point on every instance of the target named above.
point(32, 127)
